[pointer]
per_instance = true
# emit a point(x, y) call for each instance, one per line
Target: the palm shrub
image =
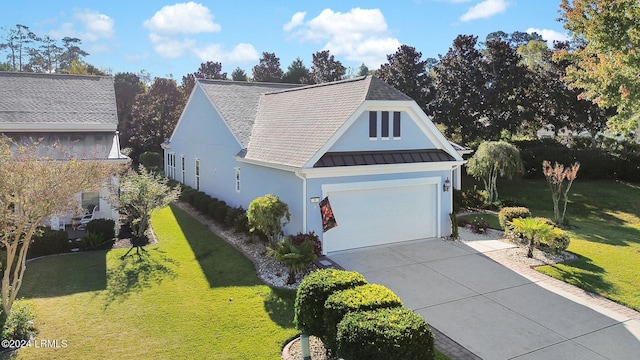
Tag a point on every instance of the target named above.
point(535, 230)
point(382, 334)
point(296, 257)
point(360, 298)
point(312, 293)
point(506, 215)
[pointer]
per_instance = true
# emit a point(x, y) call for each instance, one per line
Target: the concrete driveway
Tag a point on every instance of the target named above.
point(494, 311)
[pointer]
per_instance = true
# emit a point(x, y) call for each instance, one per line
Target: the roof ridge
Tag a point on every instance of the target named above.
point(247, 83)
point(331, 83)
point(52, 75)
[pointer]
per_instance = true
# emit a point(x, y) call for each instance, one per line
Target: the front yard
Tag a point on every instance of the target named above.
point(190, 296)
point(604, 229)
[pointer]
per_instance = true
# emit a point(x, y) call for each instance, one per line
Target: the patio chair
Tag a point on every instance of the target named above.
point(84, 220)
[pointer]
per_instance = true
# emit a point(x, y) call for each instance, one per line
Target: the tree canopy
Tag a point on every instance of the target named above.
point(326, 68)
point(297, 73)
point(268, 70)
point(606, 68)
point(494, 159)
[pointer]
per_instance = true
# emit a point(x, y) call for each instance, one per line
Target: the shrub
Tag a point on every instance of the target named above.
point(558, 242)
point(309, 237)
point(93, 240)
point(151, 160)
point(221, 212)
point(474, 198)
point(191, 196)
point(211, 210)
point(296, 257)
point(359, 298)
point(186, 194)
point(479, 225)
point(49, 242)
point(241, 222)
point(197, 199)
point(103, 227)
point(382, 334)
point(232, 214)
point(313, 292)
point(454, 226)
point(19, 323)
point(203, 205)
point(507, 214)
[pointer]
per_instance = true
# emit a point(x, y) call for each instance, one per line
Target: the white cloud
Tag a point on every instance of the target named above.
point(183, 18)
point(91, 27)
point(296, 20)
point(97, 26)
point(485, 9)
point(360, 35)
point(549, 35)
point(169, 47)
point(242, 53)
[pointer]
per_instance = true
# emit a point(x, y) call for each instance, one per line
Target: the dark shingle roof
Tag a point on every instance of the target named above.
point(61, 101)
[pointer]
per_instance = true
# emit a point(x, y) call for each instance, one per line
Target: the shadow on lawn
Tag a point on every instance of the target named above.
point(222, 264)
point(585, 275)
point(279, 304)
point(136, 272)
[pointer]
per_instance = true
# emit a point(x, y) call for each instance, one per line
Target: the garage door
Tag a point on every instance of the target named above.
point(376, 213)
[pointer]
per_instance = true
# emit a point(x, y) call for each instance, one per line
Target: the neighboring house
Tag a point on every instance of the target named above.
point(76, 112)
point(361, 143)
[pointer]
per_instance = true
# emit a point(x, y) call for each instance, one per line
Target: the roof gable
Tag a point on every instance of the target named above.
point(31, 101)
point(237, 102)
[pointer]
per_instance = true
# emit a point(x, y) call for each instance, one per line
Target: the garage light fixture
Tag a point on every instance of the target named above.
point(447, 185)
point(314, 199)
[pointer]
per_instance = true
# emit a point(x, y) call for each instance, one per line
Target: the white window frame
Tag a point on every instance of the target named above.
point(182, 167)
point(197, 172)
point(171, 165)
point(237, 179)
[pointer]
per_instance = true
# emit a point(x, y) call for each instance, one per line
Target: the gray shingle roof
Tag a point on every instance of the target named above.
point(237, 102)
point(71, 101)
point(291, 126)
point(287, 124)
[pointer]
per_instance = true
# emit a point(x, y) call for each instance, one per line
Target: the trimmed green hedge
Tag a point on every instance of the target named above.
point(102, 227)
point(49, 242)
point(360, 298)
point(312, 293)
point(507, 214)
point(382, 334)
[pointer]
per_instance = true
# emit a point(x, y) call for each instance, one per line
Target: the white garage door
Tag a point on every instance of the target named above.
point(375, 213)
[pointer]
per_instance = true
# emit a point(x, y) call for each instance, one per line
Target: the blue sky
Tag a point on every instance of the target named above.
point(172, 38)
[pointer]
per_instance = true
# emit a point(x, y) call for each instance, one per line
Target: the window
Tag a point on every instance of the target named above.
point(373, 125)
point(198, 174)
point(237, 180)
point(171, 165)
point(396, 125)
point(182, 167)
point(90, 200)
point(385, 125)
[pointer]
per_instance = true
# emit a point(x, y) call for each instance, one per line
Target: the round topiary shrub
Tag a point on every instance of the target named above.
point(396, 333)
point(558, 242)
point(312, 293)
point(360, 298)
point(507, 214)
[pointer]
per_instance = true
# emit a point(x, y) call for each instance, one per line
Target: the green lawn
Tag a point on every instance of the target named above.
point(192, 296)
point(605, 233)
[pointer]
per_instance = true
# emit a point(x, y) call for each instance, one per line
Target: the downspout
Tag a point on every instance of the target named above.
point(304, 200)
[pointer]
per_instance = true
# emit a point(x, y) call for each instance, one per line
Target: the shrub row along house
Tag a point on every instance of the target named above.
point(359, 150)
point(78, 113)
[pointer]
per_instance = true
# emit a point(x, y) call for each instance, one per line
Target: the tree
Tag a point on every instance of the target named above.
point(239, 75)
point(71, 51)
point(297, 73)
point(17, 41)
point(127, 87)
point(34, 186)
point(141, 193)
point(326, 68)
point(363, 70)
point(268, 70)
point(505, 101)
point(607, 68)
point(269, 215)
point(154, 115)
point(534, 229)
point(460, 82)
point(556, 176)
point(207, 70)
point(494, 159)
point(408, 73)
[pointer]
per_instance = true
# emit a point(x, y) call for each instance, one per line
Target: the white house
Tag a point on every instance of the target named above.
point(384, 167)
point(74, 111)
